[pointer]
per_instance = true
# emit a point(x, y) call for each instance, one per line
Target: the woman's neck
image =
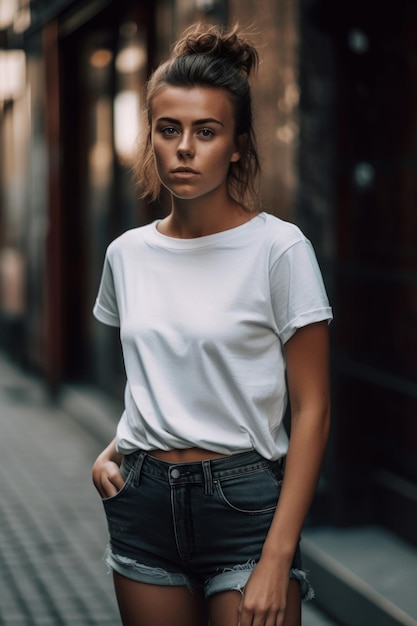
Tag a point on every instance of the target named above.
point(190, 219)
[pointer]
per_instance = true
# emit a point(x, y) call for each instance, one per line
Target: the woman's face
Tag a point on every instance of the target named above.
point(193, 140)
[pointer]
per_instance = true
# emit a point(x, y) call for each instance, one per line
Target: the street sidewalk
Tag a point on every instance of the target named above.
point(53, 531)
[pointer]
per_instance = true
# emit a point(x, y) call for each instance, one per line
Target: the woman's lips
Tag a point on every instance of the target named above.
point(185, 172)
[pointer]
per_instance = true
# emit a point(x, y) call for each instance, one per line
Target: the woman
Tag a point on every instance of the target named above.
point(222, 314)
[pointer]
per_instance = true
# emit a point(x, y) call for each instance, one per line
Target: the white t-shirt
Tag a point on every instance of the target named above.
point(202, 324)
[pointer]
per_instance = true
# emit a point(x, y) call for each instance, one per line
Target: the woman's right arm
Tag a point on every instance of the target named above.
point(106, 471)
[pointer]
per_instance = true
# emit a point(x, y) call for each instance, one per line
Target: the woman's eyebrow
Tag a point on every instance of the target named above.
point(206, 120)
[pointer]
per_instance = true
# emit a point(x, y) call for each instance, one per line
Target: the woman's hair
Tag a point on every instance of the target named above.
point(207, 56)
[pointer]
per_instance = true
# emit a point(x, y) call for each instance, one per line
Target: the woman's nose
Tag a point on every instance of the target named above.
point(185, 147)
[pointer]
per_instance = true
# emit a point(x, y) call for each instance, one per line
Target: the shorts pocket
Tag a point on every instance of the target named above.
point(127, 470)
point(253, 493)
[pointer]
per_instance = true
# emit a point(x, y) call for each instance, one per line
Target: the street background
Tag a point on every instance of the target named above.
point(336, 108)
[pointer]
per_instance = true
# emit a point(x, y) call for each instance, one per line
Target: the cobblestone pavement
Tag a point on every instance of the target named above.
point(53, 532)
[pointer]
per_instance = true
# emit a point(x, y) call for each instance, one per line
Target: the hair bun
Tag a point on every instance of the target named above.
point(222, 44)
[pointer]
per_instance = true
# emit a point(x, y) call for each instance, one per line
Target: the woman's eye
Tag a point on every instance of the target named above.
point(206, 133)
point(168, 131)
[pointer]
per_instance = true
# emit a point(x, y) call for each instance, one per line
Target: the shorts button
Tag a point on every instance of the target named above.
point(175, 473)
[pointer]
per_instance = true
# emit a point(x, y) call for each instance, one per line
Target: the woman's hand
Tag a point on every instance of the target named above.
point(107, 477)
point(265, 596)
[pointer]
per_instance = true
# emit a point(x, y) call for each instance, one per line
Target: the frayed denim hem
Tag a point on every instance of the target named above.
point(235, 579)
point(307, 591)
point(230, 579)
point(144, 573)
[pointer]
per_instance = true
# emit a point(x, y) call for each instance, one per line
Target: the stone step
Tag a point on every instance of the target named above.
point(362, 576)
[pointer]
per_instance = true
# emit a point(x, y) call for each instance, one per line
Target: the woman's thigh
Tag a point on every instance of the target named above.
point(142, 604)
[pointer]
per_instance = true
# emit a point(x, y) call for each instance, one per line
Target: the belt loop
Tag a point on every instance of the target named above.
point(138, 467)
point(208, 479)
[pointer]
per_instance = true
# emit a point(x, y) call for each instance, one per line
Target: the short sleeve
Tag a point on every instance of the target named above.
point(297, 290)
point(105, 308)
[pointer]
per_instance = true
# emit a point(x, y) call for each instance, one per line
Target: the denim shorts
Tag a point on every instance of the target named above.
point(200, 525)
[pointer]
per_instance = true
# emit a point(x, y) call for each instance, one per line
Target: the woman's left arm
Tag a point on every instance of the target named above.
point(307, 357)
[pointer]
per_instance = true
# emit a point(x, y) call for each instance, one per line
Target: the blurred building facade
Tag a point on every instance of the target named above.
point(336, 101)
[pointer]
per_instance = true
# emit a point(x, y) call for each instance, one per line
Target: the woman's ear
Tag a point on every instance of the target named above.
point(240, 147)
